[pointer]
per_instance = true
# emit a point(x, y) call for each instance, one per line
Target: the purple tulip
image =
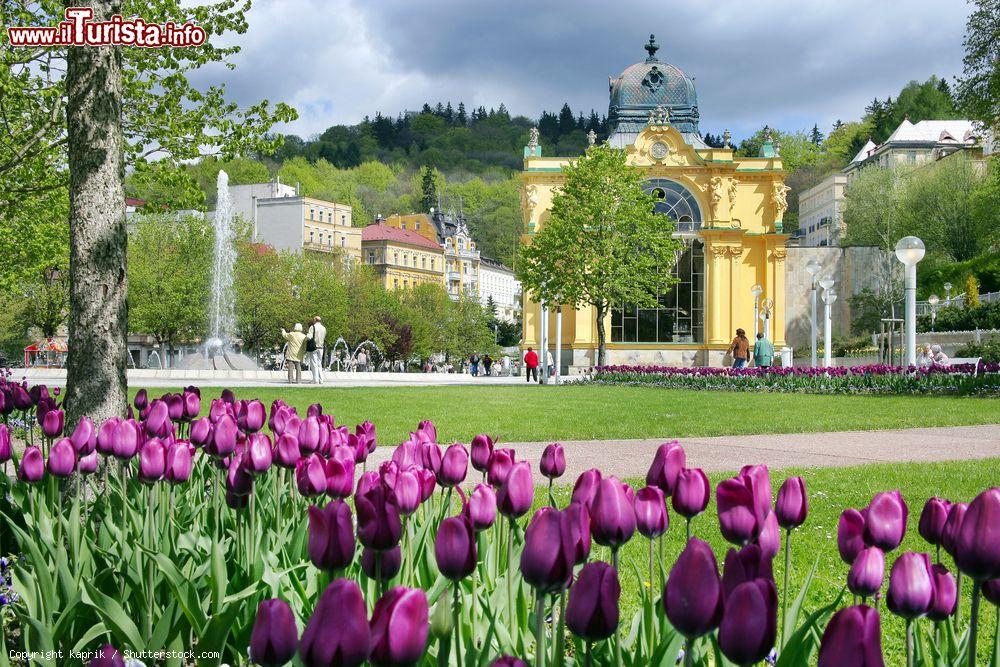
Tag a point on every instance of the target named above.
point(691, 493)
point(218, 408)
point(309, 435)
point(885, 523)
point(406, 492)
point(547, 558)
point(225, 436)
point(192, 405)
point(867, 572)
point(592, 612)
point(737, 517)
point(585, 487)
point(406, 455)
point(792, 506)
point(852, 637)
point(62, 458)
point(945, 594)
point(769, 537)
point(84, 436)
point(612, 515)
point(508, 661)
point(742, 566)
point(991, 591)
point(911, 586)
point(750, 622)
point(454, 466)
point(275, 638)
point(6, 449)
point(481, 449)
point(668, 462)
point(106, 436)
point(126, 439)
point(953, 526)
point(331, 536)
point(517, 492)
point(339, 477)
point(107, 656)
point(157, 422)
point(399, 627)
point(651, 517)
point(227, 396)
point(201, 431)
point(553, 463)
point(850, 534)
point(482, 507)
point(501, 461)
point(758, 480)
point(428, 482)
point(257, 456)
point(693, 594)
point(381, 565)
point(178, 462)
point(87, 464)
point(455, 548)
point(379, 525)
point(175, 406)
point(977, 549)
point(286, 450)
point(337, 632)
point(253, 418)
point(310, 476)
point(52, 423)
point(576, 518)
point(932, 520)
point(141, 399)
point(366, 482)
point(32, 467)
point(239, 481)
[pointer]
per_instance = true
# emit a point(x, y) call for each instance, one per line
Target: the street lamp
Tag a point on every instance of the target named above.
point(756, 290)
point(933, 300)
point(813, 268)
point(829, 296)
point(766, 308)
point(947, 294)
point(909, 251)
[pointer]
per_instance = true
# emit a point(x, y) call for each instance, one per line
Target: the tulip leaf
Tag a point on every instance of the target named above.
point(800, 646)
point(219, 579)
point(44, 649)
point(113, 615)
point(90, 636)
point(185, 594)
point(40, 571)
point(791, 618)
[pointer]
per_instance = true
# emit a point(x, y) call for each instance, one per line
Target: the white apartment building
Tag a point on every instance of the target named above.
point(498, 282)
point(820, 214)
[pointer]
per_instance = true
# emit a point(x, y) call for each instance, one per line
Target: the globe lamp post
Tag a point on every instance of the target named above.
point(910, 250)
point(829, 297)
point(812, 268)
point(756, 290)
point(933, 300)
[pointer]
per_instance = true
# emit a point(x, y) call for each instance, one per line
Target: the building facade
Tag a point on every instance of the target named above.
point(286, 220)
point(402, 259)
point(499, 285)
point(821, 213)
point(728, 211)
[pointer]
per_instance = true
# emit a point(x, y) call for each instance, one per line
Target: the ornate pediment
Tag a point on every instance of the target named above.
point(661, 144)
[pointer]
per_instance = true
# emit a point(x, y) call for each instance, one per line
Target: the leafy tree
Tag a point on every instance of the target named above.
point(263, 295)
point(428, 188)
point(846, 139)
point(815, 136)
point(971, 292)
point(979, 86)
point(603, 245)
point(165, 187)
point(922, 101)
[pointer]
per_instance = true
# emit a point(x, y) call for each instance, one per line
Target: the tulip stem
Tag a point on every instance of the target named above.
point(552, 501)
point(688, 530)
point(652, 638)
point(688, 652)
point(784, 589)
point(958, 601)
point(558, 657)
point(618, 637)
point(974, 623)
point(456, 611)
point(589, 659)
point(909, 642)
point(662, 571)
point(510, 574)
point(540, 648)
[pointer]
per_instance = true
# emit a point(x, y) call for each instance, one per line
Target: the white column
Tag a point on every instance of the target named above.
point(911, 315)
point(827, 335)
point(812, 322)
point(543, 342)
point(558, 358)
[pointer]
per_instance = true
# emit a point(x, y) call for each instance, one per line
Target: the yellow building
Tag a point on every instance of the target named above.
point(402, 258)
point(728, 211)
point(461, 256)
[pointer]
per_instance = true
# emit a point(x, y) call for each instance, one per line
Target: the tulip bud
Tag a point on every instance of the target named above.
point(691, 492)
point(107, 656)
point(885, 523)
point(553, 463)
point(366, 482)
point(399, 627)
point(141, 399)
point(428, 482)
point(911, 587)
point(481, 449)
point(331, 536)
point(668, 462)
point(201, 431)
point(254, 416)
point(106, 436)
point(455, 548)
point(310, 476)
point(693, 594)
point(337, 632)
point(482, 507)
point(932, 520)
point(426, 428)
point(576, 520)
point(384, 569)
point(32, 467)
point(87, 465)
point(792, 506)
point(758, 480)
point(517, 492)
point(191, 405)
point(769, 537)
point(178, 463)
point(508, 661)
point(406, 455)
point(6, 449)
point(650, 512)
point(52, 423)
point(126, 439)
point(977, 549)
point(592, 611)
point(430, 456)
point(867, 573)
point(749, 622)
point(224, 436)
point(227, 396)
point(84, 436)
point(239, 482)
point(953, 526)
point(547, 558)
point(379, 526)
point(742, 566)
point(286, 450)
point(991, 591)
point(500, 464)
point(339, 477)
point(850, 534)
point(454, 466)
point(257, 456)
point(157, 421)
point(62, 458)
point(275, 638)
point(175, 406)
point(612, 516)
point(152, 460)
point(945, 593)
point(852, 637)
point(737, 517)
point(406, 492)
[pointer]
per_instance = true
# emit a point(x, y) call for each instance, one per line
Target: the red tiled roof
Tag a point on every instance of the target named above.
point(380, 231)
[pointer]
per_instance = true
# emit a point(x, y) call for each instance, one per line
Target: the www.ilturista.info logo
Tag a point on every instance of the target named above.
point(79, 30)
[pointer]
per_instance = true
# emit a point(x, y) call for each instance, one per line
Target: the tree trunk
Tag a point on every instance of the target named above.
point(96, 384)
point(602, 342)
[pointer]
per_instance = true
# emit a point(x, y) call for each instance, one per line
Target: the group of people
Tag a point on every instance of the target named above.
point(532, 362)
point(302, 346)
point(762, 355)
point(488, 366)
point(930, 355)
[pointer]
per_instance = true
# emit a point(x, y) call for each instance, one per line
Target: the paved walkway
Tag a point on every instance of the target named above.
point(631, 458)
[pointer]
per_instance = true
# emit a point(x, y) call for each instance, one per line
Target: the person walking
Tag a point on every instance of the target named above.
point(315, 345)
point(361, 362)
point(740, 349)
point(294, 353)
point(763, 352)
point(487, 364)
point(474, 364)
point(531, 365)
point(549, 364)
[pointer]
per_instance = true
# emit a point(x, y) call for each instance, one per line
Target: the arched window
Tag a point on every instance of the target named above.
point(675, 201)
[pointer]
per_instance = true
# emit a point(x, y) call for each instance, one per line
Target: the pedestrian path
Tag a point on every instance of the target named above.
point(631, 458)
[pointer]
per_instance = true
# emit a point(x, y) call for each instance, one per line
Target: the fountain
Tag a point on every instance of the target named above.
point(217, 353)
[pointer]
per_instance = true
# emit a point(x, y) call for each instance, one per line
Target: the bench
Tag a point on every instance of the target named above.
point(959, 361)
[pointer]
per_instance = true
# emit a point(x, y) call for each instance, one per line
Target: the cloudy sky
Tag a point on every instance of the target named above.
point(790, 63)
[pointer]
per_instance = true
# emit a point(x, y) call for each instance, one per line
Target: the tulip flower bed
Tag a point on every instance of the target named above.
point(257, 534)
point(958, 380)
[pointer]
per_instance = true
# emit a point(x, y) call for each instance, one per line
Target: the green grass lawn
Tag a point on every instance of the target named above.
point(533, 413)
point(831, 490)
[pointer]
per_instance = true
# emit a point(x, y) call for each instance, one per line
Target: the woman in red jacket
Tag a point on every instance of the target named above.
point(531, 365)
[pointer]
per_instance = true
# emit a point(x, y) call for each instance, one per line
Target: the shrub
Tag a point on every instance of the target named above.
point(989, 351)
point(956, 318)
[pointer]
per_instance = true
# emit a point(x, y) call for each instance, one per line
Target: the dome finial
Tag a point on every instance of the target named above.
point(652, 47)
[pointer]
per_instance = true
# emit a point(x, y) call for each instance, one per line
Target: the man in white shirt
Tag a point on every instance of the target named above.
point(317, 334)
